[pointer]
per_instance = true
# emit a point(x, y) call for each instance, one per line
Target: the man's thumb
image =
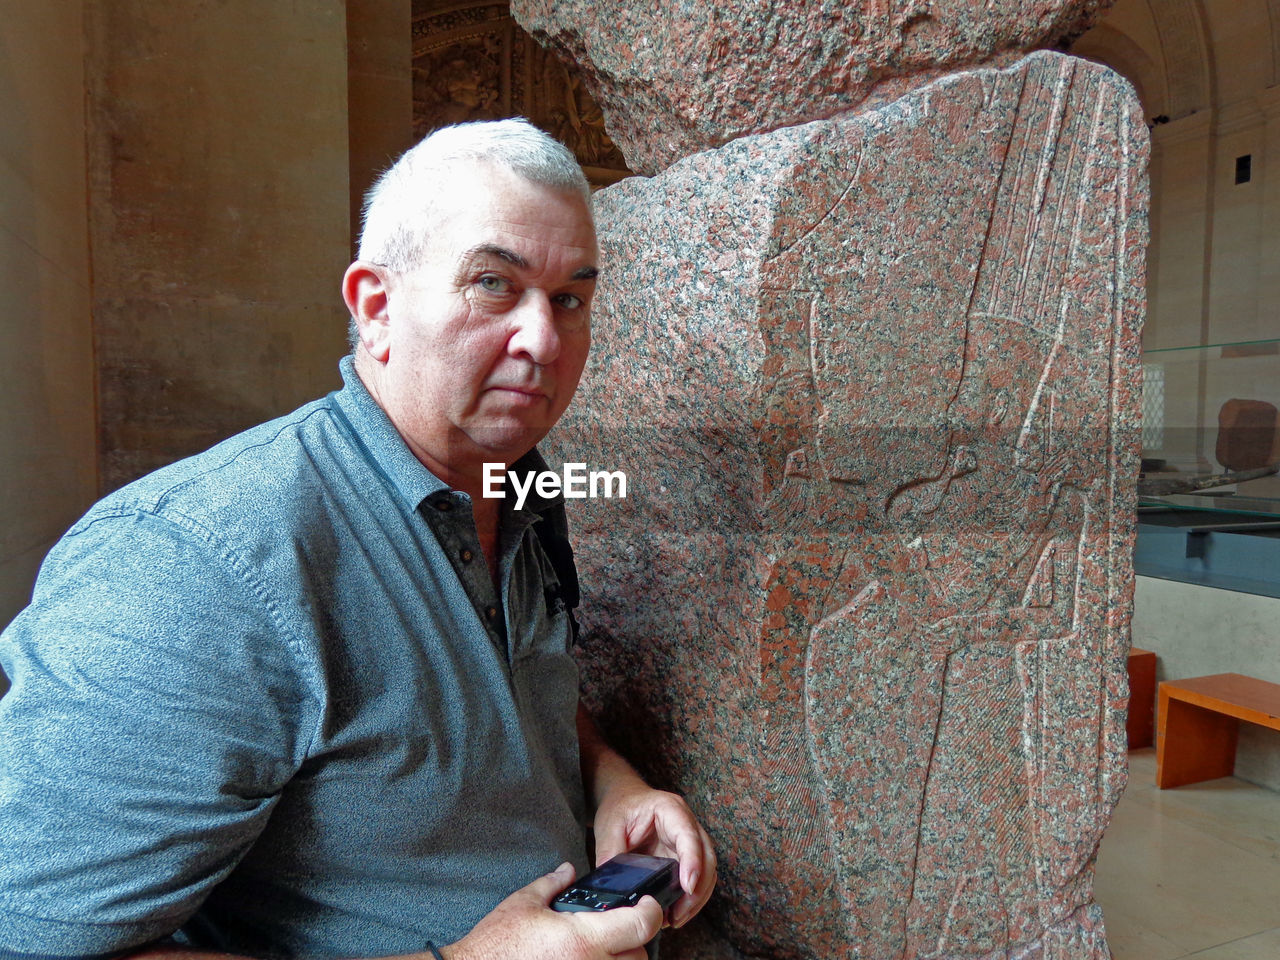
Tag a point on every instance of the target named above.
point(547, 887)
point(623, 930)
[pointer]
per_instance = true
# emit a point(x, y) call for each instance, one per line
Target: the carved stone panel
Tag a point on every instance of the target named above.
point(472, 61)
point(874, 382)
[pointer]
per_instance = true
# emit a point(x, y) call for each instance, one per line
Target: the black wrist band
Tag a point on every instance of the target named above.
point(431, 949)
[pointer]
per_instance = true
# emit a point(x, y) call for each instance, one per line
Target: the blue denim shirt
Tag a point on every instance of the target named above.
point(268, 698)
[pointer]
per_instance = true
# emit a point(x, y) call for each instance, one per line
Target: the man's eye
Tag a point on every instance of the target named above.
point(492, 284)
point(569, 301)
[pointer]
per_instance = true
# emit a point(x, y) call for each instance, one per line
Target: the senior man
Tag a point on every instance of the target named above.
point(310, 693)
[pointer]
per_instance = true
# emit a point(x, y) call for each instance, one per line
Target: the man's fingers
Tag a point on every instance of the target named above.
point(610, 843)
point(687, 907)
point(707, 873)
point(691, 852)
point(626, 928)
point(697, 884)
point(687, 842)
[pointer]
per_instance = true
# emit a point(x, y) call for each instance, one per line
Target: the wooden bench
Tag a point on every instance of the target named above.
point(1140, 726)
point(1198, 722)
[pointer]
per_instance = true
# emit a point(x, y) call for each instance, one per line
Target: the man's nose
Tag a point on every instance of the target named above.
point(535, 335)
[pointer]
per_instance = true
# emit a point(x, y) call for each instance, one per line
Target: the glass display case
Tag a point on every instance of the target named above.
point(1209, 507)
point(1202, 406)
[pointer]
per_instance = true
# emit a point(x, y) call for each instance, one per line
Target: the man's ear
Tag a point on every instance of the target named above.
point(364, 289)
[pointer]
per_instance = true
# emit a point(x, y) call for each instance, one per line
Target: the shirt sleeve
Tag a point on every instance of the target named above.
point(157, 708)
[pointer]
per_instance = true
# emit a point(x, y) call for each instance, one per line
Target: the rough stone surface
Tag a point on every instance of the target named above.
point(673, 83)
point(874, 383)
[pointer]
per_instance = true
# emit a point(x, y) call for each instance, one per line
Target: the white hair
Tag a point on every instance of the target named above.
point(397, 208)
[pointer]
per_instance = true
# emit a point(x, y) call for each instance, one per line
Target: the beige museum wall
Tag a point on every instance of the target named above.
point(219, 217)
point(1207, 74)
point(47, 474)
point(379, 92)
point(1207, 70)
point(197, 162)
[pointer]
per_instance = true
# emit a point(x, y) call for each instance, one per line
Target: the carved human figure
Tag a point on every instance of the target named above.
point(912, 707)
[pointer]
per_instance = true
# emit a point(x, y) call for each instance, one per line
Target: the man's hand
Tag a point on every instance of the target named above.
point(635, 818)
point(631, 817)
point(524, 927)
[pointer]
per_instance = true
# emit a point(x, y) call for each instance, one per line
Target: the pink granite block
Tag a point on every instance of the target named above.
point(676, 82)
point(874, 382)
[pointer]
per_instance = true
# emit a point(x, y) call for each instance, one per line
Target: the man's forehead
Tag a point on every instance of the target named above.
point(490, 211)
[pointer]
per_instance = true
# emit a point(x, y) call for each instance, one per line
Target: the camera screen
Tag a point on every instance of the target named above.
point(618, 877)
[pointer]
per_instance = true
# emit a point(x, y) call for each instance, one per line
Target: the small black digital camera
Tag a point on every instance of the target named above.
point(621, 882)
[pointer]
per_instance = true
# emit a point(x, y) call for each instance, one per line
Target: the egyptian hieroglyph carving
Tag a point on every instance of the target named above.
point(873, 381)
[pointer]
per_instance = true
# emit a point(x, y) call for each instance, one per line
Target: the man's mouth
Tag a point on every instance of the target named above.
point(518, 394)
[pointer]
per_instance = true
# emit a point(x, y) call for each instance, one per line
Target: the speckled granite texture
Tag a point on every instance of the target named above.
point(676, 81)
point(874, 382)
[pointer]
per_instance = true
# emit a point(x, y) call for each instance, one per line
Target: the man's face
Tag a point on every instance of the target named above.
point(489, 334)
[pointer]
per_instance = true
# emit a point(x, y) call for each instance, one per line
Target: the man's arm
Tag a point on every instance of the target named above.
point(629, 815)
point(632, 816)
point(521, 927)
point(139, 753)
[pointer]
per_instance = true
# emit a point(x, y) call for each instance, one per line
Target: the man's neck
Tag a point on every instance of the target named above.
point(463, 471)
point(462, 468)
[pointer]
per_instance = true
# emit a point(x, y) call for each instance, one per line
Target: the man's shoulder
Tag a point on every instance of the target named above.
point(263, 475)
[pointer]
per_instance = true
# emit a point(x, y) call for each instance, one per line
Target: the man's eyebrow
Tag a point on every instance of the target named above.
point(513, 258)
point(502, 253)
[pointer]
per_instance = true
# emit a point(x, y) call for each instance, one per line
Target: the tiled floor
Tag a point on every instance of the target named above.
point(1193, 871)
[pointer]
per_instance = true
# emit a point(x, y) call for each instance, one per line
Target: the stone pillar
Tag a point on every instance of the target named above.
point(874, 382)
point(209, 126)
point(379, 92)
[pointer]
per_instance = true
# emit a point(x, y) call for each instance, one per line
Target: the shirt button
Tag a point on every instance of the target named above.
point(465, 555)
point(491, 612)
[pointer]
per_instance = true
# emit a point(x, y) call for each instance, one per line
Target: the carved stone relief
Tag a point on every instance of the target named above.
point(472, 61)
point(873, 381)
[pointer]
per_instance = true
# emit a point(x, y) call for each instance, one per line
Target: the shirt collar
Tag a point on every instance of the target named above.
point(382, 443)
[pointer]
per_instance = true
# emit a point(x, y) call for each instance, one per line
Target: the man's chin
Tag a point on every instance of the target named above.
point(507, 442)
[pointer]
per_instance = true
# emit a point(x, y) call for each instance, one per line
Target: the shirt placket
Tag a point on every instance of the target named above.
point(449, 514)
